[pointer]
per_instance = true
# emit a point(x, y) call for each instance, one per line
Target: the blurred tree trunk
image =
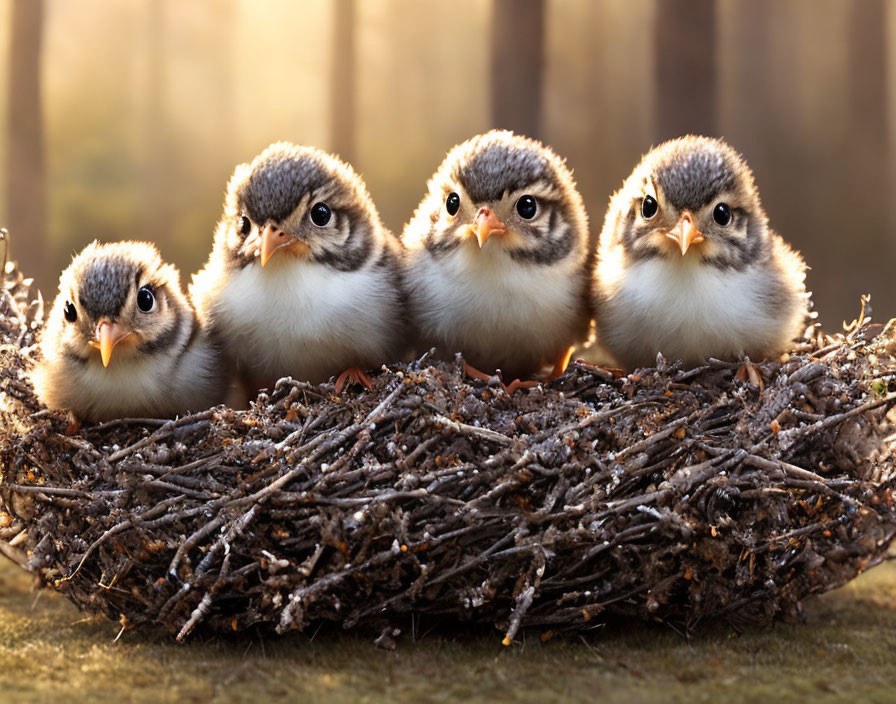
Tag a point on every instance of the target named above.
point(517, 64)
point(685, 40)
point(755, 105)
point(25, 169)
point(157, 169)
point(342, 80)
point(867, 56)
point(867, 70)
point(223, 38)
point(864, 207)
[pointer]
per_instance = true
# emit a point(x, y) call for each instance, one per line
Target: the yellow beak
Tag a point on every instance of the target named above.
point(685, 232)
point(274, 239)
point(487, 224)
point(108, 334)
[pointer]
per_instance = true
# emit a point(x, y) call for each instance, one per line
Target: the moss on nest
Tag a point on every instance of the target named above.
point(668, 494)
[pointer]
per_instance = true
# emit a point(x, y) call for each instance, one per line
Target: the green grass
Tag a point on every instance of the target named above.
point(847, 650)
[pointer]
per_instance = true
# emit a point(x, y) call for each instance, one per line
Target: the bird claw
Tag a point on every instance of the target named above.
point(518, 384)
point(561, 362)
point(352, 374)
point(73, 425)
point(474, 373)
point(749, 373)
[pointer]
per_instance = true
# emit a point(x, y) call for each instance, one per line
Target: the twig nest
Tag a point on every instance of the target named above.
point(668, 494)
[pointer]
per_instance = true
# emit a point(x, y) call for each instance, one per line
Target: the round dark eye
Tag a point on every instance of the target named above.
point(145, 300)
point(649, 206)
point(320, 214)
point(527, 206)
point(70, 312)
point(722, 214)
point(452, 203)
point(245, 225)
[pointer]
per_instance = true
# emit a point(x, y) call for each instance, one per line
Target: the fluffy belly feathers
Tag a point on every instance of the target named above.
point(495, 314)
point(307, 322)
point(690, 312)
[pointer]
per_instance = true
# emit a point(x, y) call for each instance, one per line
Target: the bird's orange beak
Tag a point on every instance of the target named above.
point(108, 334)
point(486, 224)
point(274, 239)
point(685, 232)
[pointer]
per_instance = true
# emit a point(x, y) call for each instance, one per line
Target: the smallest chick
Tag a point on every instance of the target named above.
point(122, 340)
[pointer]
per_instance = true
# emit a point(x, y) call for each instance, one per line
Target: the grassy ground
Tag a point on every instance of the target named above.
point(847, 650)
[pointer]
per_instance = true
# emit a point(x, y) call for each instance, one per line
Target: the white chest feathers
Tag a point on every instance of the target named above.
point(688, 310)
point(497, 311)
point(302, 319)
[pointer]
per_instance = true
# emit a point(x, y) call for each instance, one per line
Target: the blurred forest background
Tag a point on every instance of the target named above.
point(125, 118)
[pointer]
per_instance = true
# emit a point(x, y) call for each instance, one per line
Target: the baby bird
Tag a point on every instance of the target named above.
point(122, 340)
point(687, 265)
point(497, 258)
point(303, 280)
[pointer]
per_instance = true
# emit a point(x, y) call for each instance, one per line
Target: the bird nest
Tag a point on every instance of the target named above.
point(668, 494)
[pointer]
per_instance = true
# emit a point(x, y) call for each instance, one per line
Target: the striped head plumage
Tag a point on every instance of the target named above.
point(502, 190)
point(296, 201)
point(691, 197)
point(118, 297)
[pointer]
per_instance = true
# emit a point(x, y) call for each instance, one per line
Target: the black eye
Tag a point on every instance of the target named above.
point(527, 207)
point(70, 312)
point(452, 203)
point(649, 206)
point(245, 225)
point(722, 214)
point(320, 214)
point(145, 300)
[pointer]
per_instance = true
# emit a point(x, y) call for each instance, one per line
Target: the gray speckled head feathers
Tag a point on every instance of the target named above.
point(499, 162)
point(694, 170)
point(105, 274)
point(488, 170)
point(690, 173)
point(283, 174)
point(103, 287)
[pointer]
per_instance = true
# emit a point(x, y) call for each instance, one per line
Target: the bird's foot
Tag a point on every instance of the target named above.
point(474, 373)
point(561, 362)
point(352, 374)
point(73, 423)
point(749, 372)
point(519, 384)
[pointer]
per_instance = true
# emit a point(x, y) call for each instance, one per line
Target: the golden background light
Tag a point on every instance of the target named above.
point(146, 106)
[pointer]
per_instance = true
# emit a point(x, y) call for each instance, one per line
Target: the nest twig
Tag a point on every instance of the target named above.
point(667, 494)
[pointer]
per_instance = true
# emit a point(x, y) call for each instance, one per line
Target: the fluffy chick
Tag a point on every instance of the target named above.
point(687, 265)
point(497, 257)
point(121, 340)
point(304, 279)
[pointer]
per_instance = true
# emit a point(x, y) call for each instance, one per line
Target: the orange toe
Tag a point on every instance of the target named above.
point(561, 362)
point(749, 372)
point(518, 384)
point(474, 373)
point(352, 374)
